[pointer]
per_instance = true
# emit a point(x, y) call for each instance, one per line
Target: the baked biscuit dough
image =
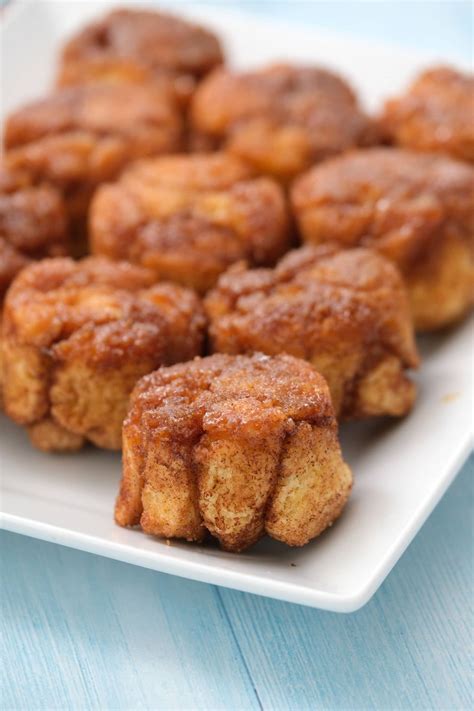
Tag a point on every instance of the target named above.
point(235, 445)
point(76, 337)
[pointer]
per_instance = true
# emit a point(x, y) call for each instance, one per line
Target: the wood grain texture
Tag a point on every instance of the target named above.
point(83, 632)
point(407, 649)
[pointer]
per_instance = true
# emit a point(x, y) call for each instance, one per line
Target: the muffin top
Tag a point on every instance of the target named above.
point(253, 395)
point(168, 46)
point(314, 300)
point(394, 199)
point(142, 115)
point(435, 114)
point(54, 299)
point(189, 217)
point(282, 118)
point(81, 136)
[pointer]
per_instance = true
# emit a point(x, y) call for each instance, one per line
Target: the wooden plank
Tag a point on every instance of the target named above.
point(407, 649)
point(84, 632)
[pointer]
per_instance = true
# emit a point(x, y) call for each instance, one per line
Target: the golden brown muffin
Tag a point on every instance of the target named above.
point(82, 136)
point(435, 114)
point(416, 209)
point(240, 446)
point(189, 217)
point(111, 70)
point(33, 224)
point(170, 48)
point(344, 311)
point(281, 119)
point(76, 338)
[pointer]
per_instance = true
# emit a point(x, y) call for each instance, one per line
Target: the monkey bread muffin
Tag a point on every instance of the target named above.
point(281, 119)
point(189, 217)
point(167, 46)
point(33, 224)
point(436, 114)
point(111, 70)
point(238, 446)
point(81, 136)
point(76, 336)
point(416, 209)
point(344, 311)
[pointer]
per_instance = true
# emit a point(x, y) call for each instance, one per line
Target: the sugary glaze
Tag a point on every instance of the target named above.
point(189, 217)
point(240, 446)
point(281, 119)
point(435, 114)
point(78, 335)
point(344, 311)
point(416, 209)
point(170, 48)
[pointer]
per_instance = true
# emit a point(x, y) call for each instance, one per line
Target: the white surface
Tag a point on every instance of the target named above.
point(401, 468)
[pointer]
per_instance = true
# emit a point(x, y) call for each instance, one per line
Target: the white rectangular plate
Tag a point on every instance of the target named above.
point(401, 468)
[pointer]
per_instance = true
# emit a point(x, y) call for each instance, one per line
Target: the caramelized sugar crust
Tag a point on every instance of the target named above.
point(416, 209)
point(235, 445)
point(113, 70)
point(33, 224)
point(344, 311)
point(168, 47)
point(81, 136)
point(76, 338)
point(189, 217)
point(435, 114)
point(281, 119)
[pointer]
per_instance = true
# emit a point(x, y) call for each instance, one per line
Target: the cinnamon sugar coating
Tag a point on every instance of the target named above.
point(416, 209)
point(81, 136)
point(235, 445)
point(435, 114)
point(33, 224)
point(76, 336)
point(189, 217)
point(112, 70)
point(344, 311)
point(281, 119)
point(167, 47)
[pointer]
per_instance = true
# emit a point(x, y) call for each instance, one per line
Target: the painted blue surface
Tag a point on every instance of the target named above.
point(83, 632)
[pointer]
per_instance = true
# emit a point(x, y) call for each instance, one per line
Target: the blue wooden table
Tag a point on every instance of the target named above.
point(83, 632)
